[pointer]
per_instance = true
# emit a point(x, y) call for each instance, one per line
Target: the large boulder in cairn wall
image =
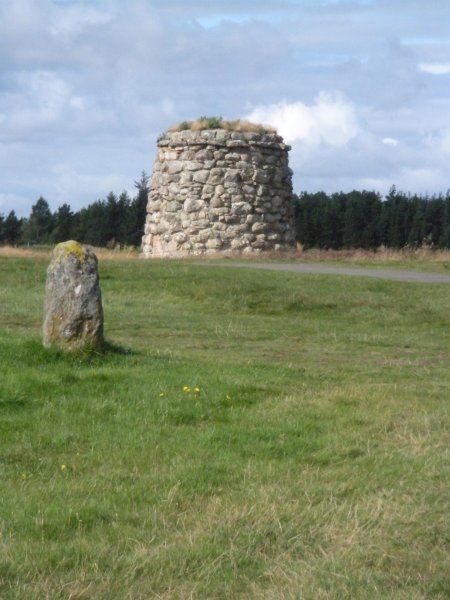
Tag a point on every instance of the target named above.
point(73, 304)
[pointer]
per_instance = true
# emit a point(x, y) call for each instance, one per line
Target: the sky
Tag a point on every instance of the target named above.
point(359, 88)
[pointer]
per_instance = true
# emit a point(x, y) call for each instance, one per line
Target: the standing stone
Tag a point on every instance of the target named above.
point(73, 315)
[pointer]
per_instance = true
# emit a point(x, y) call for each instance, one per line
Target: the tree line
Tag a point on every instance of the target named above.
point(341, 220)
point(366, 220)
point(117, 220)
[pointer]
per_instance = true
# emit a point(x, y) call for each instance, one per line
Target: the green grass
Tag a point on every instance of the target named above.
point(311, 464)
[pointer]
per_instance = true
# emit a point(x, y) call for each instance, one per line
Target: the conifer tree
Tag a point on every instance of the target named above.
point(139, 210)
point(12, 226)
point(63, 221)
point(38, 227)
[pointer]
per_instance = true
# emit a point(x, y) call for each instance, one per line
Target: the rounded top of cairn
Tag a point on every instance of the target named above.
point(214, 131)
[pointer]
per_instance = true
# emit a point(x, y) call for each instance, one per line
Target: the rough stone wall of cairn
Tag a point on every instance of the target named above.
point(219, 191)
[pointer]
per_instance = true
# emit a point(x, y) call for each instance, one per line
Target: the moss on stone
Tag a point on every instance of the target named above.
point(65, 249)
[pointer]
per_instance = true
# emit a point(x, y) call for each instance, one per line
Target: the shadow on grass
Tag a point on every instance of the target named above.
point(12, 403)
point(33, 353)
point(112, 348)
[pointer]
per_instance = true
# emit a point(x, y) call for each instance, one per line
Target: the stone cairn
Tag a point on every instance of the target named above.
point(73, 313)
point(219, 191)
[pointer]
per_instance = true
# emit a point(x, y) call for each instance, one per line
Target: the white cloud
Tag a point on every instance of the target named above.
point(388, 141)
point(444, 143)
point(77, 102)
point(73, 20)
point(437, 144)
point(20, 204)
point(40, 101)
point(330, 120)
point(435, 68)
point(88, 86)
point(69, 181)
point(423, 179)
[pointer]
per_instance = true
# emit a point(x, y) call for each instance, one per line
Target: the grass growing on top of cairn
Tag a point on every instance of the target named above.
point(219, 123)
point(247, 434)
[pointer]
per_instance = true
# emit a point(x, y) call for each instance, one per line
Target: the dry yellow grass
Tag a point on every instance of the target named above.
point(13, 252)
point(102, 253)
point(382, 254)
point(117, 253)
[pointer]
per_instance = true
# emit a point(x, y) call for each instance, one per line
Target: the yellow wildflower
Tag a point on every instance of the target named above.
point(186, 389)
point(63, 467)
point(197, 390)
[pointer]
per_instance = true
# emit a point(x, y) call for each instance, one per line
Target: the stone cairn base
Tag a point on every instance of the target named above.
point(219, 191)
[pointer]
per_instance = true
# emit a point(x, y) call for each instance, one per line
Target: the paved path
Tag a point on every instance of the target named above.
point(323, 269)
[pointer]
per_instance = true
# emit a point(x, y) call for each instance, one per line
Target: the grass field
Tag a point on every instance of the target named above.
point(247, 434)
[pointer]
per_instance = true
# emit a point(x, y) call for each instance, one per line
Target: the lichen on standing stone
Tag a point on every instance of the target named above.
point(64, 249)
point(73, 312)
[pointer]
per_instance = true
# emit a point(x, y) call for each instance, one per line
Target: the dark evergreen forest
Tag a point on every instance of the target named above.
point(366, 220)
point(337, 221)
point(118, 220)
